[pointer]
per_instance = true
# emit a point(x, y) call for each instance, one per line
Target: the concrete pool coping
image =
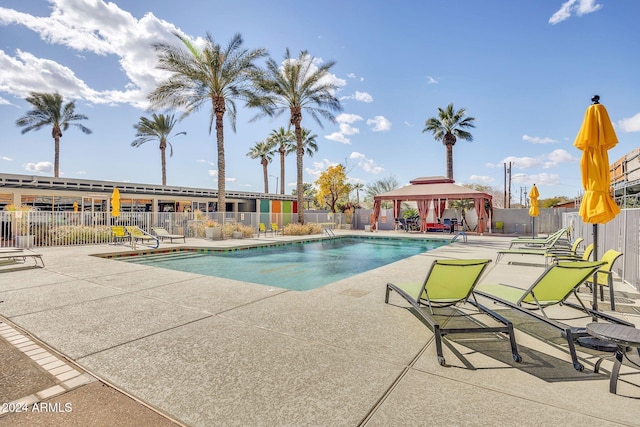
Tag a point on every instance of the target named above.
point(209, 351)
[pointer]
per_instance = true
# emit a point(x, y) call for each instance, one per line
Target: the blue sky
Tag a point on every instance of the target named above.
point(525, 70)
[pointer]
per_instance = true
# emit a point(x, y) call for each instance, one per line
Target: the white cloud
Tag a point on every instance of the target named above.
point(431, 80)
point(347, 129)
point(538, 179)
point(363, 97)
point(213, 173)
point(379, 124)
point(367, 165)
point(205, 162)
point(318, 167)
point(40, 167)
point(348, 118)
point(557, 157)
point(338, 137)
point(408, 124)
point(90, 28)
point(579, 7)
point(631, 124)
point(8, 159)
point(546, 161)
point(481, 178)
point(538, 140)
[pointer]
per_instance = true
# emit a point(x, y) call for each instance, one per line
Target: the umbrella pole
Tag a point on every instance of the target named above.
point(533, 226)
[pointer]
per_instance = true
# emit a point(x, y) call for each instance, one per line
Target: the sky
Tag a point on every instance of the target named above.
point(524, 70)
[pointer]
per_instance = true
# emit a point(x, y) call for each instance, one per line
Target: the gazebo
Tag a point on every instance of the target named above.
point(436, 189)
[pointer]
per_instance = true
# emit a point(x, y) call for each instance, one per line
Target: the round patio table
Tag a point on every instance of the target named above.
point(622, 336)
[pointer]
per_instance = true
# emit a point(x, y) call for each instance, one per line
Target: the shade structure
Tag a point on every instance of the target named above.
point(595, 138)
point(534, 211)
point(115, 203)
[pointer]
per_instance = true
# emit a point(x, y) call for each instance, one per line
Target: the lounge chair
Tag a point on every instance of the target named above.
point(547, 252)
point(10, 256)
point(137, 234)
point(584, 256)
point(553, 287)
point(162, 234)
point(119, 234)
point(448, 283)
point(275, 229)
point(262, 229)
point(604, 276)
point(540, 242)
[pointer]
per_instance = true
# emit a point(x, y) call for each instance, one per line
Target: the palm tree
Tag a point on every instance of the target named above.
point(49, 111)
point(297, 85)
point(263, 151)
point(284, 141)
point(309, 145)
point(209, 74)
point(383, 185)
point(448, 126)
point(358, 186)
point(159, 128)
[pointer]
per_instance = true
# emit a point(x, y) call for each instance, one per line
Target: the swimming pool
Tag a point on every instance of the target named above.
point(295, 266)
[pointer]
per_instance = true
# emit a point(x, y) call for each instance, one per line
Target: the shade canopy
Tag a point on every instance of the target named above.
point(435, 188)
point(534, 211)
point(595, 138)
point(115, 202)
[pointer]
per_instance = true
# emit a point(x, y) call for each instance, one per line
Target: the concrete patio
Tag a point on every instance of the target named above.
point(116, 343)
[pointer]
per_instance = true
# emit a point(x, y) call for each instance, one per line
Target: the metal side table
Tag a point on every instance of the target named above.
point(623, 336)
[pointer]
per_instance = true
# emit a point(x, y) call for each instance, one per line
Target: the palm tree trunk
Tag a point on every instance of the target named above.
point(266, 176)
point(219, 109)
point(449, 161)
point(281, 170)
point(163, 159)
point(299, 183)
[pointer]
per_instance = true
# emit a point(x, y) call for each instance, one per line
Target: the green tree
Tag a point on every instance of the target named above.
point(448, 127)
point(210, 74)
point(49, 111)
point(263, 150)
point(159, 128)
point(309, 194)
point(284, 141)
point(332, 187)
point(380, 186)
point(297, 85)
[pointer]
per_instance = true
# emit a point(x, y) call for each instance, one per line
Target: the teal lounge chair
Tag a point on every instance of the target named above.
point(554, 286)
point(450, 282)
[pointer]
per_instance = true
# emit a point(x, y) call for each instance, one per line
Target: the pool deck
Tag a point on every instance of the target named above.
point(92, 341)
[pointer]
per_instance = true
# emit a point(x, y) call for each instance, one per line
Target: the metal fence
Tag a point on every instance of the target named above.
point(38, 229)
point(622, 234)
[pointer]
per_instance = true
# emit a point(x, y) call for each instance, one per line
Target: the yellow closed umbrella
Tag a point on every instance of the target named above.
point(534, 211)
point(595, 138)
point(115, 203)
point(75, 206)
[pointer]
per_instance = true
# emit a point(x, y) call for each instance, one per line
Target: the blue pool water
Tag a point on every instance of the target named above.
point(298, 266)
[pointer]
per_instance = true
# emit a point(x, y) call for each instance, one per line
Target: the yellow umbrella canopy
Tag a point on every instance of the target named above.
point(533, 196)
point(115, 202)
point(75, 206)
point(595, 138)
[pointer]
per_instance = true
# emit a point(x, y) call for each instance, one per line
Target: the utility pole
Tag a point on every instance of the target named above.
point(507, 195)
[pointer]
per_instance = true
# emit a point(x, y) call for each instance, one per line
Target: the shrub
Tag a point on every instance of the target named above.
point(296, 229)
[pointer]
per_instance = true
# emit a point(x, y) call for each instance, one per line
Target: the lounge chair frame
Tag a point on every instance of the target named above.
point(138, 234)
point(423, 300)
point(162, 234)
point(528, 302)
point(19, 255)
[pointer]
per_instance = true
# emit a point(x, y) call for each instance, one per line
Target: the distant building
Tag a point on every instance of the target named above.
point(625, 179)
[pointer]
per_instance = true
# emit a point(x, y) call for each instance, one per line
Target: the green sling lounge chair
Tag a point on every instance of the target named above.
point(554, 286)
point(541, 242)
point(450, 282)
point(137, 233)
point(162, 234)
point(547, 252)
point(584, 256)
point(605, 276)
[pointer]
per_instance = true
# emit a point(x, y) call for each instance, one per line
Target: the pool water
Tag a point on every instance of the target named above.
point(297, 266)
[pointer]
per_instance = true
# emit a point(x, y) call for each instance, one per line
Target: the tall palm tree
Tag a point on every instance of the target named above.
point(284, 141)
point(263, 150)
point(297, 85)
point(309, 145)
point(447, 127)
point(215, 74)
point(358, 186)
point(159, 127)
point(49, 111)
